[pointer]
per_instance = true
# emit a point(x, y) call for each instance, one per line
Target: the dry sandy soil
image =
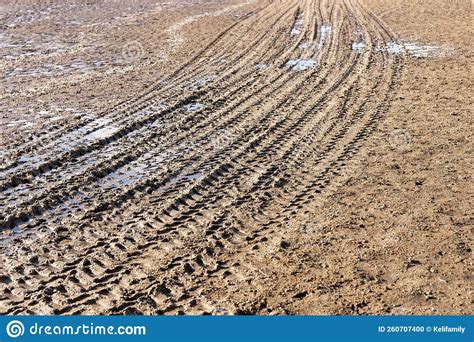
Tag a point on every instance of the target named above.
point(236, 157)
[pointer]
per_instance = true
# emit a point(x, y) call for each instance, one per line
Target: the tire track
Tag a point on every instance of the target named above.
point(106, 167)
point(176, 88)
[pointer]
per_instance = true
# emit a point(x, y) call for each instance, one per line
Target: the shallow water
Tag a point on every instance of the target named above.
point(82, 135)
point(194, 176)
point(133, 172)
point(32, 159)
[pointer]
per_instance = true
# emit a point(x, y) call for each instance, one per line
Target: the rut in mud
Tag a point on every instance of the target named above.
point(142, 209)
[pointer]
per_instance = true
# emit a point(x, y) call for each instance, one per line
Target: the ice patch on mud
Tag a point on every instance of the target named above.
point(424, 51)
point(102, 133)
point(19, 125)
point(203, 81)
point(297, 27)
point(193, 106)
point(56, 118)
point(413, 49)
point(301, 64)
point(359, 47)
point(393, 48)
point(323, 32)
point(295, 31)
point(16, 123)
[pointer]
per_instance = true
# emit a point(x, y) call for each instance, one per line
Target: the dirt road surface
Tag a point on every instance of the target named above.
point(236, 157)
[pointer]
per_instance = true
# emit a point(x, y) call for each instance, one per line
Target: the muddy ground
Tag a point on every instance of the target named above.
point(236, 157)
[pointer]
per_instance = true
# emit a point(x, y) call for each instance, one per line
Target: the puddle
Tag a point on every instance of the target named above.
point(260, 66)
point(359, 47)
point(299, 22)
point(33, 159)
point(70, 141)
point(48, 221)
point(193, 106)
point(84, 134)
point(194, 176)
point(301, 64)
point(303, 46)
point(133, 172)
point(324, 31)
